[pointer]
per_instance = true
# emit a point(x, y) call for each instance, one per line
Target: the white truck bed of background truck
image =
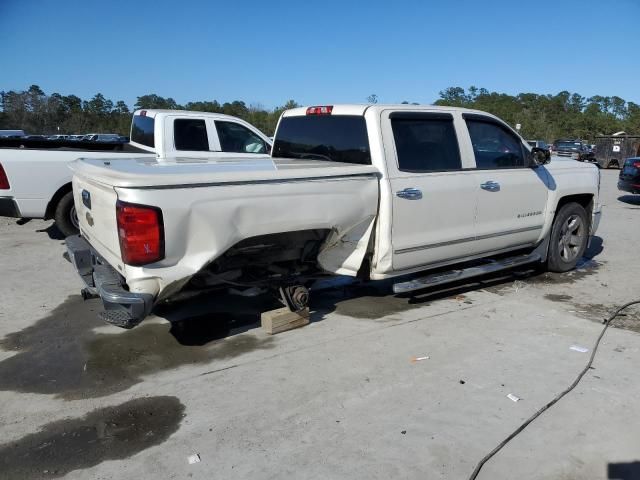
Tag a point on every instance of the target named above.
point(40, 180)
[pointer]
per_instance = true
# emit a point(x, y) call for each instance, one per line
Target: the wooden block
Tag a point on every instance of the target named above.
point(283, 319)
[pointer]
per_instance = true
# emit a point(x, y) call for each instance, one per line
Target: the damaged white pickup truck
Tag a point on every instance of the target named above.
point(375, 191)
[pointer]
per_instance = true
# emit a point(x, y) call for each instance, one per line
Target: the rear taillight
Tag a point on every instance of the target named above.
point(141, 233)
point(322, 110)
point(4, 180)
point(635, 164)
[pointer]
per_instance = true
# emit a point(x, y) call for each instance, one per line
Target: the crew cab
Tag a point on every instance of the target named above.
point(35, 180)
point(374, 191)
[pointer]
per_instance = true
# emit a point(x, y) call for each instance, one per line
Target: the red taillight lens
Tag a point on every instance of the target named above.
point(322, 110)
point(635, 164)
point(4, 180)
point(141, 233)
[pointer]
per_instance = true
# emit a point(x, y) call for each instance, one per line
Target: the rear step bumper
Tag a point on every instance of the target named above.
point(122, 308)
point(449, 276)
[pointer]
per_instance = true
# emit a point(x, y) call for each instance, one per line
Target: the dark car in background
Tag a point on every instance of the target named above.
point(629, 180)
point(575, 149)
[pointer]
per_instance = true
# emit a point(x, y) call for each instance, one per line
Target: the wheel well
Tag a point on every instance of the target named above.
point(264, 259)
point(584, 199)
point(53, 203)
point(613, 162)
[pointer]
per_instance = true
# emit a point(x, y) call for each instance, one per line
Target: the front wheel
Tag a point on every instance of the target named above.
point(66, 217)
point(569, 235)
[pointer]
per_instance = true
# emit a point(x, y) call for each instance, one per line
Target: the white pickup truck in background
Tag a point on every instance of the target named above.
point(375, 191)
point(36, 182)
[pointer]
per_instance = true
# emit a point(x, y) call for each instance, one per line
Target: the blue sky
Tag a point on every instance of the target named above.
point(319, 52)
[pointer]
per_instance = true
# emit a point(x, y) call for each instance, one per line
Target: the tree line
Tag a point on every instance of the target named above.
point(545, 117)
point(35, 112)
point(550, 117)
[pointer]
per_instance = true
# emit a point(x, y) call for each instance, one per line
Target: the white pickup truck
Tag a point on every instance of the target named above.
point(35, 180)
point(375, 191)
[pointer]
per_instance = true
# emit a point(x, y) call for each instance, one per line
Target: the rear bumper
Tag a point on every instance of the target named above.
point(121, 307)
point(629, 186)
point(9, 207)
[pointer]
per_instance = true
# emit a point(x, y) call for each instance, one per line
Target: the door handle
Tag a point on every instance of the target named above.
point(490, 186)
point(409, 194)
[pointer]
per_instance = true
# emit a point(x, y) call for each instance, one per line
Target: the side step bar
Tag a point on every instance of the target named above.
point(455, 275)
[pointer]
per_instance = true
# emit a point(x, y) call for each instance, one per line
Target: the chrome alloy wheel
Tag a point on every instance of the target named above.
point(572, 236)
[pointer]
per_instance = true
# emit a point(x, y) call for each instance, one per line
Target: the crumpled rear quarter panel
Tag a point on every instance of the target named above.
point(203, 222)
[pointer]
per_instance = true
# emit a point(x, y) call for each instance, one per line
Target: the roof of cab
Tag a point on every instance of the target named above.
point(360, 109)
point(153, 112)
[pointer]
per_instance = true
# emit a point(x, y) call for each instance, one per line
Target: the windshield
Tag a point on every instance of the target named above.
point(568, 145)
point(337, 138)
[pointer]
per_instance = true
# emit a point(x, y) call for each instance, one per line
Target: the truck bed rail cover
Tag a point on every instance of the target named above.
point(157, 173)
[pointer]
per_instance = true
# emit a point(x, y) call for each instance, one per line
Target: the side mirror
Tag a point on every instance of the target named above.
point(538, 157)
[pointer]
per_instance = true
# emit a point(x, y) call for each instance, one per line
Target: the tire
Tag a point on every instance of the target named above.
point(569, 236)
point(65, 216)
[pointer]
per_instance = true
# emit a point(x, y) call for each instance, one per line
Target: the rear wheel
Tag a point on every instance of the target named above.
point(569, 235)
point(65, 216)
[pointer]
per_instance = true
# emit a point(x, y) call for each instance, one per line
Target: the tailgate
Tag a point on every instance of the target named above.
point(96, 208)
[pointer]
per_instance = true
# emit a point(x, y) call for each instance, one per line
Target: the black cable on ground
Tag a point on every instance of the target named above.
point(607, 322)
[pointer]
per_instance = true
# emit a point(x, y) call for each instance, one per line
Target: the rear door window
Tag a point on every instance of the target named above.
point(190, 134)
point(425, 142)
point(494, 145)
point(336, 138)
point(239, 139)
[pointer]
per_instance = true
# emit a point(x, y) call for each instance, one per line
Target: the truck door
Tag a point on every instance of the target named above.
point(434, 194)
point(512, 195)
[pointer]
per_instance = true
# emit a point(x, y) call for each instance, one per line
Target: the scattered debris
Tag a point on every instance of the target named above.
point(578, 348)
point(404, 432)
point(519, 285)
point(195, 458)
point(419, 359)
point(462, 382)
point(513, 398)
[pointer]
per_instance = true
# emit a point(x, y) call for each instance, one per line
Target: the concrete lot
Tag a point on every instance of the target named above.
point(339, 398)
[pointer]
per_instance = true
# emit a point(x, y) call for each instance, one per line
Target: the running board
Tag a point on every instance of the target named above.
point(455, 275)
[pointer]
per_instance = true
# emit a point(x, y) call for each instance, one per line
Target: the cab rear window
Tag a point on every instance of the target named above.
point(336, 138)
point(142, 130)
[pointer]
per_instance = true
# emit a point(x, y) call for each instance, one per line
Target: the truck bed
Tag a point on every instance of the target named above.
point(210, 205)
point(148, 172)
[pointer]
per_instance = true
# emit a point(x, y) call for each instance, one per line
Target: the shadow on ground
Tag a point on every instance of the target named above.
point(630, 200)
point(111, 433)
point(63, 355)
point(624, 471)
point(53, 232)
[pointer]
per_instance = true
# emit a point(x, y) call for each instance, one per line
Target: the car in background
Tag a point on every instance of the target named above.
point(12, 133)
point(75, 138)
point(629, 179)
point(103, 137)
point(575, 149)
point(35, 137)
point(542, 145)
point(58, 137)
